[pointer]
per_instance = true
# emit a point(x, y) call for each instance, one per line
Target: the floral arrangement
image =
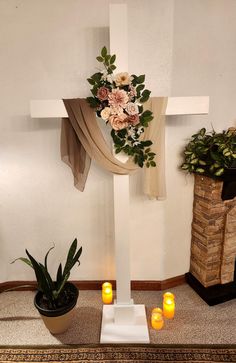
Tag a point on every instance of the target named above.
point(117, 99)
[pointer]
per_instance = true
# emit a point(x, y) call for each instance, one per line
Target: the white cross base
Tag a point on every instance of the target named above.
point(123, 322)
point(130, 328)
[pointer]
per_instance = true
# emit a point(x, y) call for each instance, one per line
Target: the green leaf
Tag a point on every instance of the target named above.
point(77, 256)
point(145, 96)
point(147, 143)
point(59, 275)
point(91, 81)
point(194, 161)
point(46, 257)
point(219, 172)
point(113, 58)
point(96, 77)
point(104, 52)
point(112, 67)
point(70, 256)
point(50, 284)
point(92, 102)
point(202, 131)
point(152, 163)
point(23, 259)
point(99, 59)
point(185, 166)
point(40, 276)
point(140, 79)
point(215, 156)
point(200, 170)
point(140, 87)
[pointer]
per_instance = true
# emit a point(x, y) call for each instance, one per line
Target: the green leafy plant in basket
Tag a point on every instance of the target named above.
point(210, 153)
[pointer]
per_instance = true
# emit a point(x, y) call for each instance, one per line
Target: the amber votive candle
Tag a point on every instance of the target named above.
point(107, 295)
point(169, 305)
point(157, 320)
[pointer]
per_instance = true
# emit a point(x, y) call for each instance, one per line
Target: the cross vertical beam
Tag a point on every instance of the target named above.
point(119, 46)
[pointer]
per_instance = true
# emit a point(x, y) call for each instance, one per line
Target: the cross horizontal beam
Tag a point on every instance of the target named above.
point(175, 106)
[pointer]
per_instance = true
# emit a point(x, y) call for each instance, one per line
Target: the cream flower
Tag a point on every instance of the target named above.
point(118, 122)
point(105, 113)
point(116, 110)
point(122, 79)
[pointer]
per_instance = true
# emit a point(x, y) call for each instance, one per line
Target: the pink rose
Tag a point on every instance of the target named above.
point(132, 92)
point(102, 93)
point(118, 97)
point(133, 119)
point(118, 122)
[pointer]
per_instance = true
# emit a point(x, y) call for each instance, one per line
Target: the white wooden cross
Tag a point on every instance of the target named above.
point(124, 321)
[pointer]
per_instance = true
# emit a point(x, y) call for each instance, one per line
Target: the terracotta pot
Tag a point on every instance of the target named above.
point(59, 320)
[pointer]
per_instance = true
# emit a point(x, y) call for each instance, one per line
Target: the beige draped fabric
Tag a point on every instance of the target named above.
point(154, 178)
point(82, 140)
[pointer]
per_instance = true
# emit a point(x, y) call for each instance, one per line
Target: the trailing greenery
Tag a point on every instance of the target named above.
point(127, 126)
point(210, 153)
point(52, 290)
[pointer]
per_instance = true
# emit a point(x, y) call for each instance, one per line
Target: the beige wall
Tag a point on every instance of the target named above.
point(48, 49)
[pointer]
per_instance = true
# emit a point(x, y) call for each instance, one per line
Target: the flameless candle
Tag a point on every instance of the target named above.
point(107, 293)
point(169, 305)
point(157, 319)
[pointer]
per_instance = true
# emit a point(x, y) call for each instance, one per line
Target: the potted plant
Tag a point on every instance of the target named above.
point(211, 154)
point(55, 300)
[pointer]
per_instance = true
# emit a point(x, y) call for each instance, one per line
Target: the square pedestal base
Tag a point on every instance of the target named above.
point(136, 332)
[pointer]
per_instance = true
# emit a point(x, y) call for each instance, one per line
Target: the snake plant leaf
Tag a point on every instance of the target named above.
point(59, 275)
point(47, 277)
point(40, 276)
point(70, 257)
point(46, 257)
point(77, 256)
point(25, 260)
point(57, 292)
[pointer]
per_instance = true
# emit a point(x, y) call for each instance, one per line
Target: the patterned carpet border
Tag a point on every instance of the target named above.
point(120, 353)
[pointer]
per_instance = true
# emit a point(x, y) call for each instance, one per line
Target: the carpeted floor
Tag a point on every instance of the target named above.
point(195, 322)
point(121, 354)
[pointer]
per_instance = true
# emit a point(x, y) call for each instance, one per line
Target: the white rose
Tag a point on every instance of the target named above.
point(109, 78)
point(104, 75)
point(131, 108)
point(105, 113)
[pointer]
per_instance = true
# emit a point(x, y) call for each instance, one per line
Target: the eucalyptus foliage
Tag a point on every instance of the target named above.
point(127, 139)
point(210, 153)
point(53, 290)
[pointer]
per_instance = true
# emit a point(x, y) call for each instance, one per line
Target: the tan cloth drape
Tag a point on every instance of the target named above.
point(154, 178)
point(82, 140)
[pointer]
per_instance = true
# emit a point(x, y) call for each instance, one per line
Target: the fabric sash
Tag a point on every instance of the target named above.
point(82, 140)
